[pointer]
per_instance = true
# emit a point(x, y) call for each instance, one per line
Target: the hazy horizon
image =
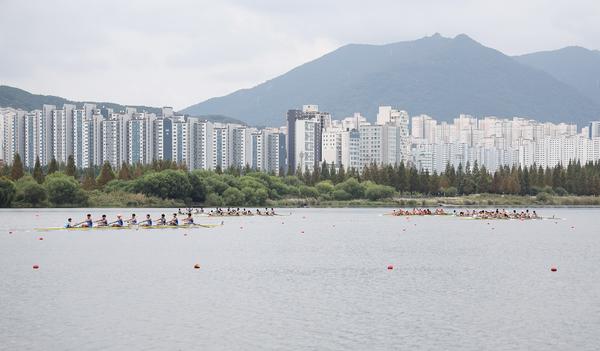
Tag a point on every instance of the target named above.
point(180, 53)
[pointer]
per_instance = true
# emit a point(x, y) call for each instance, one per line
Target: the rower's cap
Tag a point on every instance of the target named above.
point(119, 215)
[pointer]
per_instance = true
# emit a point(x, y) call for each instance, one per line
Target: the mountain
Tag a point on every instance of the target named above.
point(574, 65)
point(21, 99)
point(439, 76)
point(18, 98)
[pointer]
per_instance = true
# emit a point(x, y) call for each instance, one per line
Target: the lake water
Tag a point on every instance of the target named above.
point(315, 280)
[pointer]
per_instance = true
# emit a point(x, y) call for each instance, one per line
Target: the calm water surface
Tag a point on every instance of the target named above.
point(315, 280)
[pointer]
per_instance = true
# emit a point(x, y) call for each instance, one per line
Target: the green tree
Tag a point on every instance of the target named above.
point(29, 193)
point(214, 200)
point(325, 175)
point(7, 192)
point(106, 174)
point(53, 166)
point(38, 174)
point(352, 187)
point(168, 184)
point(71, 170)
point(233, 197)
point(377, 192)
point(198, 184)
point(64, 190)
point(17, 168)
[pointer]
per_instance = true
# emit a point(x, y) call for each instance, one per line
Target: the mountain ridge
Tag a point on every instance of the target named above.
point(21, 99)
point(434, 75)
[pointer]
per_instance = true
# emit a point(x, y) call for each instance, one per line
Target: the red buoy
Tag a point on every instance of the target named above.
point(553, 269)
point(41, 238)
point(35, 266)
point(9, 232)
point(196, 266)
point(390, 267)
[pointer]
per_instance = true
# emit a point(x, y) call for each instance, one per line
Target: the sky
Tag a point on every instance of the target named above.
point(181, 52)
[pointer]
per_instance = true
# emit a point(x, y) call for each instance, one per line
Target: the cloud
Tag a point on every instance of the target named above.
point(181, 52)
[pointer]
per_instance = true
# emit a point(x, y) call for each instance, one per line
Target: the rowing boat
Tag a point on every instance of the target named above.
point(134, 227)
point(243, 215)
point(510, 218)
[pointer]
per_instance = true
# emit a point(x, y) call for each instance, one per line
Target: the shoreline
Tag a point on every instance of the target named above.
point(469, 201)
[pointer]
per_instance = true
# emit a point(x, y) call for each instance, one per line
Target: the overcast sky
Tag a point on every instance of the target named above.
point(180, 52)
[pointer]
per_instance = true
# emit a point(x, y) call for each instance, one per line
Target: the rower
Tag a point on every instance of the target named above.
point(118, 223)
point(132, 220)
point(69, 224)
point(174, 220)
point(88, 223)
point(162, 220)
point(147, 222)
point(102, 222)
point(189, 219)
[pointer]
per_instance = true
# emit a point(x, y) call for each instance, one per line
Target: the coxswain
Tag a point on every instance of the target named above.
point(174, 220)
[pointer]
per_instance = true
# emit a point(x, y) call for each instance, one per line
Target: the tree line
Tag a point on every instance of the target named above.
point(65, 185)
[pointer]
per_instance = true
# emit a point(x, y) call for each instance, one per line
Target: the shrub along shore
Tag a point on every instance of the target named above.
point(166, 184)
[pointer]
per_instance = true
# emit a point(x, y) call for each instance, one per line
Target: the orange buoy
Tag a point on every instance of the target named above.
point(553, 269)
point(196, 266)
point(35, 266)
point(390, 267)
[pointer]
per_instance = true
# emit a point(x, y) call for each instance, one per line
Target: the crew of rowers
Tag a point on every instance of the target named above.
point(240, 212)
point(484, 214)
point(498, 214)
point(419, 212)
point(120, 222)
